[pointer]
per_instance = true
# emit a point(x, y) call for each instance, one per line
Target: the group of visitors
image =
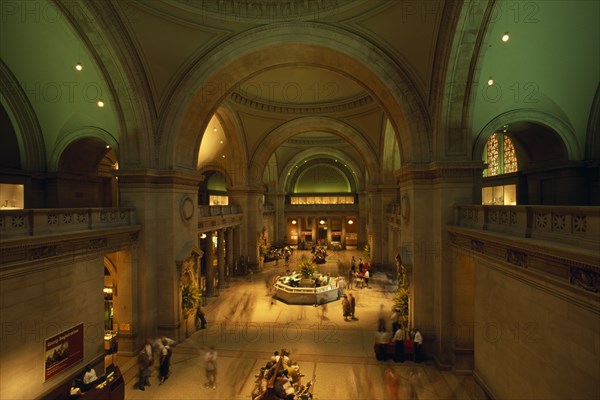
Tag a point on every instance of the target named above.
point(358, 277)
point(348, 307)
point(401, 345)
point(280, 379)
point(159, 349)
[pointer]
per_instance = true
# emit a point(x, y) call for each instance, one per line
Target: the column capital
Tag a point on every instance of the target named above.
point(447, 171)
point(147, 177)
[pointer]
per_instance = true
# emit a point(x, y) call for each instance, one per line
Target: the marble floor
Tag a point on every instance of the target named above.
point(245, 328)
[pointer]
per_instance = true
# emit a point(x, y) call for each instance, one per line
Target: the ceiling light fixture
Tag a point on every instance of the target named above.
point(350, 222)
point(293, 222)
point(78, 66)
point(108, 146)
point(505, 37)
point(490, 81)
point(215, 128)
point(100, 103)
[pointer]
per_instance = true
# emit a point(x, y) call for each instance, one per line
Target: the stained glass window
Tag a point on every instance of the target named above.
point(509, 157)
point(499, 154)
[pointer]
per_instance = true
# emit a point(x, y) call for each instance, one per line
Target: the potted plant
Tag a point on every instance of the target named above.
point(306, 268)
point(190, 296)
point(401, 301)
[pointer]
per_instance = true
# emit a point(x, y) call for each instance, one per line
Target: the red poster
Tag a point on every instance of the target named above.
point(63, 350)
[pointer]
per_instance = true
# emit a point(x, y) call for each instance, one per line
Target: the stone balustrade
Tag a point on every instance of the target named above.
point(49, 221)
point(570, 225)
point(213, 211)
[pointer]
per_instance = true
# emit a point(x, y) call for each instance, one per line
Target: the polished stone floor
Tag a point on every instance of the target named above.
point(245, 328)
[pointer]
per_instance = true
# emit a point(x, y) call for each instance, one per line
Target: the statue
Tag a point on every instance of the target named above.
point(401, 272)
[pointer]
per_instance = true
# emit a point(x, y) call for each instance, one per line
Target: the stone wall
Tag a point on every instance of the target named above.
point(531, 342)
point(40, 304)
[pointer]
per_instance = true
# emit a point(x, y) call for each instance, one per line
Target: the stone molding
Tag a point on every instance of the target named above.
point(569, 273)
point(437, 171)
point(26, 255)
point(319, 108)
point(159, 178)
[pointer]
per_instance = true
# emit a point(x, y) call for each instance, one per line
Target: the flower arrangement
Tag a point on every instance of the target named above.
point(306, 268)
point(401, 301)
point(190, 295)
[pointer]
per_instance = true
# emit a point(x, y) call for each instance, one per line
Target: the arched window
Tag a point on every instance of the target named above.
point(499, 154)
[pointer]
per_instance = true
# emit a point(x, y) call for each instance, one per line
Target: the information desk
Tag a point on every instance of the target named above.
point(306, 295)
point(111, 389)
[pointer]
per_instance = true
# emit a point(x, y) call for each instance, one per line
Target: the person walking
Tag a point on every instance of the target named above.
point(164, 368)
point(346, 310)
point(352, 301)
point(366, 277)
point(200, 317)
point(143, 369)
point(210, 360)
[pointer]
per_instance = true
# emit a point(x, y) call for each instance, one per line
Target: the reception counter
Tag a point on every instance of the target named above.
point(307, 295)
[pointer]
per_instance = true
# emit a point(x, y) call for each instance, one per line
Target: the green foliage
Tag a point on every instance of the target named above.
point(367, 251)
point(262, 250)
point(401, 301)
point(307, 268)
point(190, 295)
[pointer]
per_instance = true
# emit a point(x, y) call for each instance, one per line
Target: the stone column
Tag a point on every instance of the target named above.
point(221, 257)
point(343, 238)
point(165, 203)
point(329, 230)
point(229, 257)
point(428, 192)
point(315, 223)
point(209, 253)
point(249, 199)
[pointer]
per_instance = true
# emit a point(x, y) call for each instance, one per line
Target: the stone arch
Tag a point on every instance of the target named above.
point(217, 73)
point(71, 137)
point(552, 124)
point(32, 149)
point(452, 133)
point(323, 124)
point(330, 153)
point(102, 32)
point(233, 131)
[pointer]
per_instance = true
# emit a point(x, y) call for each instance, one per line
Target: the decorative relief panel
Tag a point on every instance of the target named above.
point(579, 224)
point(477, 246)
point(18, 221)
point(588, 280)
point(52, 219)
point(516, 257)
point(42, 252)
point(559, 222)
point(98, 243)
point(541, 220)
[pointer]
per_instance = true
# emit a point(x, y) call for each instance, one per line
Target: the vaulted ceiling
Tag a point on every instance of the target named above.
point(548, 67)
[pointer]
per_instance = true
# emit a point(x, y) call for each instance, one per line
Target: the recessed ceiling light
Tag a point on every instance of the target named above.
point(108, 146)
point(221, 142)
point(490, 82)
point(505, 37)
point(215, 129)
point(78, 66)
point(100, 103)
point(223, 156)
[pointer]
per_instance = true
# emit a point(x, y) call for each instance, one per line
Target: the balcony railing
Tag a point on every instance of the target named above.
point(215, 211)
point(571, 225)
point(48, 221)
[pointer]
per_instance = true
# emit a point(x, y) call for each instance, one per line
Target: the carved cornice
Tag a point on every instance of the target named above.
point(303, 109)
point(268, 10)
point(573, 275)
point(25, 255)
point(150, 177)
point(435, 171)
